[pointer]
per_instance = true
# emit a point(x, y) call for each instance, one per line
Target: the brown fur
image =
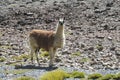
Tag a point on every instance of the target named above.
point(41, 39)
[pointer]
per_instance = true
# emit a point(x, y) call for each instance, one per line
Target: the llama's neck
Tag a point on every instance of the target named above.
point(59, 40)
point(60, 30)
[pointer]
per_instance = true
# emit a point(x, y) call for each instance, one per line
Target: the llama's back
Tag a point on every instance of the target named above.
point(41, 39)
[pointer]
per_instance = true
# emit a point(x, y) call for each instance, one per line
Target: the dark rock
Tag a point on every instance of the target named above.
point(112, 48)
point(1, 53)
point(91, 48)
point(100, 36)
point(117, 52)
point(57, 60)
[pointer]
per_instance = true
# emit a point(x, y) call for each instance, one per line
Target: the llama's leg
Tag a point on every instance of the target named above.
point(54, 51)
point(51, 57)
point(31, 55)
point(36, 54)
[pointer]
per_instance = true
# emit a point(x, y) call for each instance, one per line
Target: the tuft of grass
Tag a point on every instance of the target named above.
point(116, 77)
point(76, 74)
point(99, 47)
point(21, 57)
point(94, 76)
point(25, 78)
point(76, 54)
point(2, 59)
point(107, 77)
point(44, 54)
point(5, 46)
point(84, 60)
point(54, 75)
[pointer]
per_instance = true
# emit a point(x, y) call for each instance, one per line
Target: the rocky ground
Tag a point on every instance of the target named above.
point(92, 29)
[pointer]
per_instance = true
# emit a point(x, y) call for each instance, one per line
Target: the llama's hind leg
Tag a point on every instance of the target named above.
point(37, 55)
point(51, 57)
point(31, 55)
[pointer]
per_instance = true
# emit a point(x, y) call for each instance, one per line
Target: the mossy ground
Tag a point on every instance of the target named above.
point(2, 59)
point(61, 75)
point(94, 76)
point(54, 75)
point(76, 54)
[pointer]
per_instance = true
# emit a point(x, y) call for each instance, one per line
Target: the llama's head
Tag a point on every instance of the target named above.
point(61, 21)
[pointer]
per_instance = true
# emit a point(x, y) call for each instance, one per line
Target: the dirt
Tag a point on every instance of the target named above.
point(92, 29)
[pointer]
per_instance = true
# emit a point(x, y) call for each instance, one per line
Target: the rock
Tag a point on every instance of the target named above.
point(82, 45)
point(101, 36)
point(112, 48)
point(105, 26)
point(117, 52)
point(29, 14)
point(91, 48)
point(1, 54)
point(57, 60)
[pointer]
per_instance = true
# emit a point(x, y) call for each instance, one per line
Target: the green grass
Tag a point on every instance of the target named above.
point(76, 74)
point(99, 47)
point(54, 75)
point(5, 46)
point(76, 54)
point(84, 60)
point(44, 54)
point(2, 59)
point(116, 77)
point(108, 77)
point(25, 78)
point(94, 76)
point(21, 57)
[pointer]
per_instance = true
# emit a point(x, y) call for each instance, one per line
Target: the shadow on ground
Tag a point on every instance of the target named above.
point(36, 67)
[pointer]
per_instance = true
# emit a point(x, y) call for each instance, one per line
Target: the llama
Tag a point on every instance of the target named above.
point(47, 40)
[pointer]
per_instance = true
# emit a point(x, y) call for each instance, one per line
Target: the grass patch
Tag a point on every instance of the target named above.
point(44, 54)
point(21, 71)
point(25, 78)
point(94, 76)
point(54, 75)
point(76, 54)
point(84, 60)
point(62, 75)
point(21, 57)
point(99, 47)
point(6, 47)
point(2, 59)
point(108, 77)
point(76, 74)
point(116, 77)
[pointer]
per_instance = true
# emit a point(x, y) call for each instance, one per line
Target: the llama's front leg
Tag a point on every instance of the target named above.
point(31, 55)
point(36, 54)
point(54, 52)
point(51, 57)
